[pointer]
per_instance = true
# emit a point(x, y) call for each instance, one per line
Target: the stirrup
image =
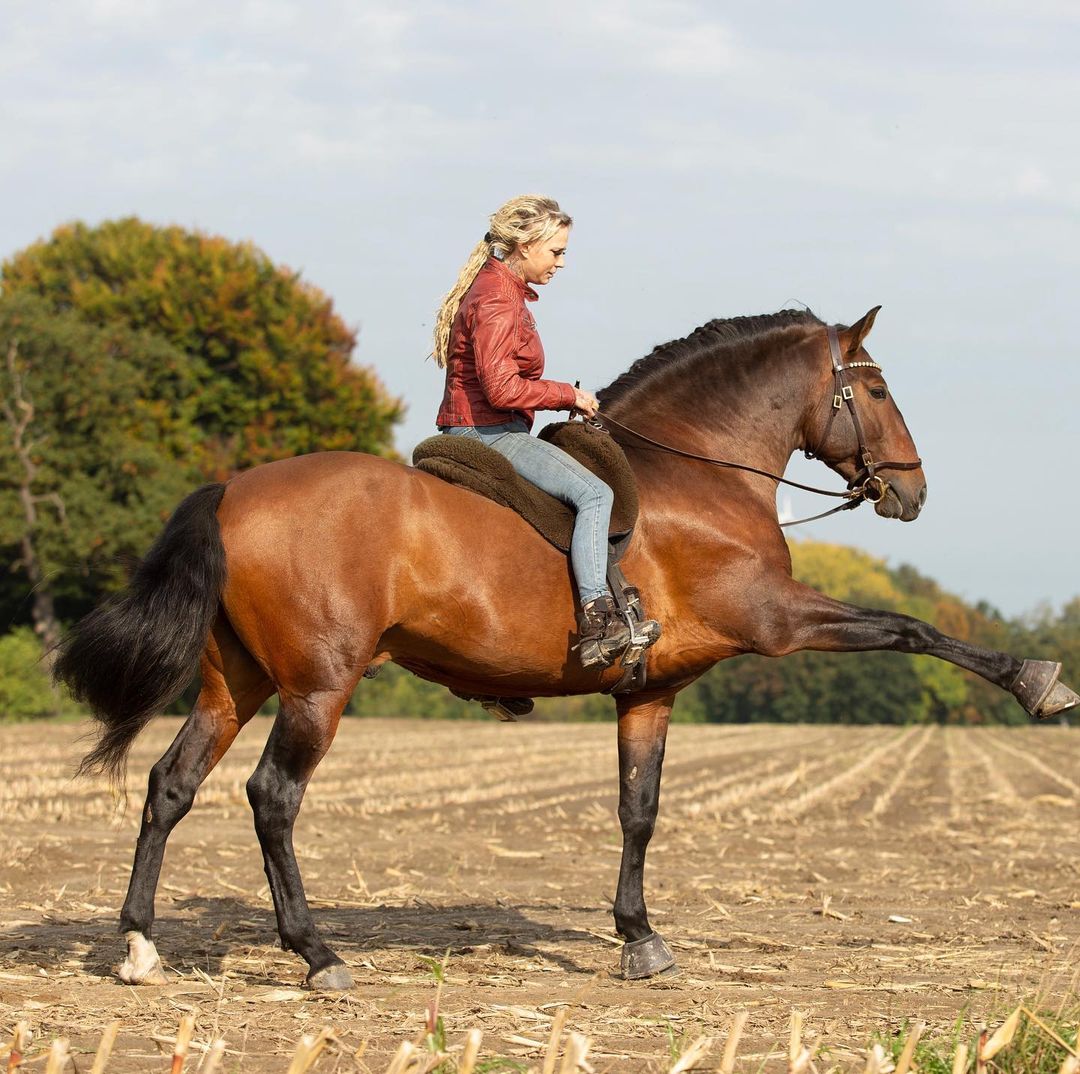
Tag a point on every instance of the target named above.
point(507, 709)
point(644, 632)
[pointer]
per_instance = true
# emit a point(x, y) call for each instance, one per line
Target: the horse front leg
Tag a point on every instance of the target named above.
point(642, 735)
point(805, 619)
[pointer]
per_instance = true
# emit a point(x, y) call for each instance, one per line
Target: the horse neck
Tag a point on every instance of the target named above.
point(750, 407)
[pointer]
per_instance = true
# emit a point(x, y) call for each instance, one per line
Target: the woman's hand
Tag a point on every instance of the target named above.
point(585, 403)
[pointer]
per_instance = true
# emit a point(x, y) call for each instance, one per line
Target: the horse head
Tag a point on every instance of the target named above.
point(859, 431)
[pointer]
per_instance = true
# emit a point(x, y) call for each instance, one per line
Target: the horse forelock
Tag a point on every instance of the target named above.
point(715, 347)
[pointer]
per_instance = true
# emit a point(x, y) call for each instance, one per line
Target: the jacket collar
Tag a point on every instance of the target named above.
point(525, 290)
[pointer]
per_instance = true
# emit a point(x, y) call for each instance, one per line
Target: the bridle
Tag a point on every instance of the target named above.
point(845, 394)
point(865, 484)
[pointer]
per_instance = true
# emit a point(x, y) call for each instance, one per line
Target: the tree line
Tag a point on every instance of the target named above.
point(139, 361)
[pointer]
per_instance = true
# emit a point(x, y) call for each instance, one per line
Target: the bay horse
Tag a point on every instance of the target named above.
point(296, 576)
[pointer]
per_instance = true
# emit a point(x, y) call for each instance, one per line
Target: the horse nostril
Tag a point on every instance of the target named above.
point(922, 497)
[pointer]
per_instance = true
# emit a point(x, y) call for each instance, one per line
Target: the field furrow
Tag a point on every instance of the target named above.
point(884, 799)
point(1028, 757)
point(869, 876)
point(845, 785)
point(994, 788)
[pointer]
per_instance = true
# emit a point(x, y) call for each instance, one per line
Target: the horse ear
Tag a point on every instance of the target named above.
point(853, 337)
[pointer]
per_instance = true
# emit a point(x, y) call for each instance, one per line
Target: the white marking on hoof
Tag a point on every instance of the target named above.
point(142, 965)
point(332, 978)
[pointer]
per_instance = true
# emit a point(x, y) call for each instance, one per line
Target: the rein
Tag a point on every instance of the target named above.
point(872, 488)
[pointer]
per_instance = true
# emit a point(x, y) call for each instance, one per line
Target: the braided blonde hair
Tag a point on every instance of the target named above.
point(530, 218)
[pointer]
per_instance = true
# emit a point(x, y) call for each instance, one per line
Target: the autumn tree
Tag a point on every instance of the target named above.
point(270, 356)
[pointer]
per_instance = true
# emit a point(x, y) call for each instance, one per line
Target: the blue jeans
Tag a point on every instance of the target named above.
point(551, 469)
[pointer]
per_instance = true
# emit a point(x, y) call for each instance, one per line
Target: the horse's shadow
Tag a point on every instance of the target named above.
point(206, 931)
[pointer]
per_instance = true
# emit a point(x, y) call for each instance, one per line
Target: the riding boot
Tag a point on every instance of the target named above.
point(605, 635)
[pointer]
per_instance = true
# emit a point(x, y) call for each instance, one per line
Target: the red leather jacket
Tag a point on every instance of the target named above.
point(496, 359)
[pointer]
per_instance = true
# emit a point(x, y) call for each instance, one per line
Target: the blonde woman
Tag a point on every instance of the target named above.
point(486, 339)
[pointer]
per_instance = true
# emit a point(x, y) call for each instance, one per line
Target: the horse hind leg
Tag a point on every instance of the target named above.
point(304, 729)
point(233, 688)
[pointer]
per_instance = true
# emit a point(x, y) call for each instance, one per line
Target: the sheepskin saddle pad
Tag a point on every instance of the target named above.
point(467, 462)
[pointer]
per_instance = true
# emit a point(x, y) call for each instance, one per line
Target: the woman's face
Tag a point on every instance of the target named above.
point(541, 260)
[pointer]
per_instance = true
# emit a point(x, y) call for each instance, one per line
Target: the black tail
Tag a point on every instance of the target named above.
point(135, 654)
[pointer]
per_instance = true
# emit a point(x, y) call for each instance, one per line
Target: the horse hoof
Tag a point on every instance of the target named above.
point(142, 965)
point(1058, 700)
point(1036, 687)
point(646, 958)
point(333, 978)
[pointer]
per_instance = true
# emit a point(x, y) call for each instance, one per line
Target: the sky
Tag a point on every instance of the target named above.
point(718, 158)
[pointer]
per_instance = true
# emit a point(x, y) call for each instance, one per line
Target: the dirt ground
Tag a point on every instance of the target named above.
point(865, 876)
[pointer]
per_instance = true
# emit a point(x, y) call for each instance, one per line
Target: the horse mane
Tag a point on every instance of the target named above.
point(732, 337)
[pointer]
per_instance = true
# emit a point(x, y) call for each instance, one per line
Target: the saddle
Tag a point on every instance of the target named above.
point(469, 463)
point(473, 465)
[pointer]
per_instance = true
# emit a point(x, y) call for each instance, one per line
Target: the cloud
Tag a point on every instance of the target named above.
point(1032, 181)
point(141, 93)
point(676, 39)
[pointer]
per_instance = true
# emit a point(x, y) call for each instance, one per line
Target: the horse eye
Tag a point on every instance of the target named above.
point(877, 393)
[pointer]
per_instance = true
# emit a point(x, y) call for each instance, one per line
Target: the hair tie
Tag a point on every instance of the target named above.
point(489, 238)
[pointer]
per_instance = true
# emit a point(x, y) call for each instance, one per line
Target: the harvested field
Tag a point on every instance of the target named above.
point(867, 877)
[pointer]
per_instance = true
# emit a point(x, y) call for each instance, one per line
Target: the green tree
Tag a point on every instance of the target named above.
point(25, 690)
point(270, 356)
point(95, 446)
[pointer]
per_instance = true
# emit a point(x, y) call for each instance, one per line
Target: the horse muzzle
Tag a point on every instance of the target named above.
point(894, 502)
